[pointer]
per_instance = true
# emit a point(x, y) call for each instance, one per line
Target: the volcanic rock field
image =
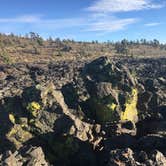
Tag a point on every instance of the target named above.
point(101, 112)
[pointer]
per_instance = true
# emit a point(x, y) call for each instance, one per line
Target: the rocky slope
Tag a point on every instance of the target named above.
point(100, 112)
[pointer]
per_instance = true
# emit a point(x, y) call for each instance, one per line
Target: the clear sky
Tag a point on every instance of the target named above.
point(86, 19)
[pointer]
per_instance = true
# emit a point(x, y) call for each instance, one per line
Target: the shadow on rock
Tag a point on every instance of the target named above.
point(8, 107)
point(65, 150)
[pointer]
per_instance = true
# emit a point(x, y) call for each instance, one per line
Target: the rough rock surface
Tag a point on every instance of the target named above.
point(112, 91)
point(104, 112)
point(32, 156)
point(126, 157)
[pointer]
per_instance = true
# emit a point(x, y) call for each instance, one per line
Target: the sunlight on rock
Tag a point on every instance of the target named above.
point(131, 112)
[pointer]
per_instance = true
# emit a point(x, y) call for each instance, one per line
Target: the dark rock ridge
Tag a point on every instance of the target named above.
point(101, 112)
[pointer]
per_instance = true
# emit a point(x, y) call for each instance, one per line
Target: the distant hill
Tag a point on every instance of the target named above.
point(33, 48)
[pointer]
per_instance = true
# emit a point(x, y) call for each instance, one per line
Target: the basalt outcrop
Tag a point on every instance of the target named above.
point(101, 112)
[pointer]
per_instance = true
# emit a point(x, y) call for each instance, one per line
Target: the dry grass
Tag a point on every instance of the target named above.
point(14, 49)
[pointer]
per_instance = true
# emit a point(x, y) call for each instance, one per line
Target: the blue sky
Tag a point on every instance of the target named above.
point(86, 19)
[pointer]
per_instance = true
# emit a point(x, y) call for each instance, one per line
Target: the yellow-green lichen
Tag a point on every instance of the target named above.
point(112, 106)
point(130, 113)
point(12, 118)
point(34, 108)
point(17, 135)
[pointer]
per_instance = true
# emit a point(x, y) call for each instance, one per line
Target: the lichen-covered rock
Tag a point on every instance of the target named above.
point(84, 116)
point(39, 114)
point(27, 116)
point(131, 112)
point(34, 108)
point(18, 135)
point(112, 90)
